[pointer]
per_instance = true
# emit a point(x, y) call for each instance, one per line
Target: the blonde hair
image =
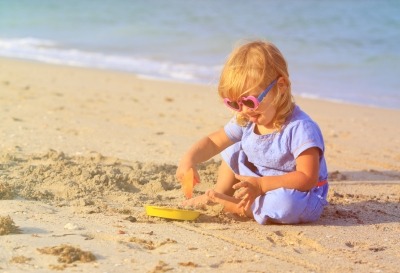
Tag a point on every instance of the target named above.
point(252, 67)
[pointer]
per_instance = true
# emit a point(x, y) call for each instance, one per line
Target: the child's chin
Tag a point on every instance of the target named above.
point(255, 119)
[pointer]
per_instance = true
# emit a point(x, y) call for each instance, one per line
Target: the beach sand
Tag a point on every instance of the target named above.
point(83, 150)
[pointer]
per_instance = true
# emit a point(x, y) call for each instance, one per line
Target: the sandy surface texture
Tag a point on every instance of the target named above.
point(83, 151)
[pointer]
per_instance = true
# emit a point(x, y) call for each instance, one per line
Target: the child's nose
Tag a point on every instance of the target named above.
point(246, 109)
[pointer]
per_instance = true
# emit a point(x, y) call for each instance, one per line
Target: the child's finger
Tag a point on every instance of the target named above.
point(178, 176)
point(196, 177)
point(241, 204)
point(240, 184)
point(241, 192)
point(244, 201)
point(237, 194)
point(240, 177)
point(247, 206)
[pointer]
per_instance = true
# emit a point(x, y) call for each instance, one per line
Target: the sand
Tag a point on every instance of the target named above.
point(83, 150)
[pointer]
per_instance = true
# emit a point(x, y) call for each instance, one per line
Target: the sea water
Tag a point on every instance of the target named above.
point(346, 50)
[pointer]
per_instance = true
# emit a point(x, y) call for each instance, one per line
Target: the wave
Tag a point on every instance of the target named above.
point(52, 52)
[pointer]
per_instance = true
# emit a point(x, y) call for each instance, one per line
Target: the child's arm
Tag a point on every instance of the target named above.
point(201, 151)
point(304, 178)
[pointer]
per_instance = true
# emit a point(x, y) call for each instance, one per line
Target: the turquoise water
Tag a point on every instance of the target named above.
point(337, 50)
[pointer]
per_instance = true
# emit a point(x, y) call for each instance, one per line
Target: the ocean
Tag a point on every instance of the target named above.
point(343, 50)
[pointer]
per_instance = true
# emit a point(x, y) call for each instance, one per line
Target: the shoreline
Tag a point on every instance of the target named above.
point(177, 81)
point(83, 150)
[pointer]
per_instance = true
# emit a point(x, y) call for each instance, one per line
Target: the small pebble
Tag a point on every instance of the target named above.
point(131, 219)
point(72, 226)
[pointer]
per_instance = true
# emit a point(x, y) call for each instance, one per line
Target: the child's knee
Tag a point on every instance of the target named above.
point(289, 209)
point(283, 206)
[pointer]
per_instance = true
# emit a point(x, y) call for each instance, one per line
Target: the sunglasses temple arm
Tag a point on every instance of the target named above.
point(261, 97)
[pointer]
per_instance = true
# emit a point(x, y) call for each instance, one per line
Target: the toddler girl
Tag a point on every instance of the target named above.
point(273, 167)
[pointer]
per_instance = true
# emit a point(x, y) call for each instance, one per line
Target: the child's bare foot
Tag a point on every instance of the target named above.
point(196, 202)
point(230, 203)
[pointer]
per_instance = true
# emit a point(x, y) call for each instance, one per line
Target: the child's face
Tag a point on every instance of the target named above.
point(264, 114)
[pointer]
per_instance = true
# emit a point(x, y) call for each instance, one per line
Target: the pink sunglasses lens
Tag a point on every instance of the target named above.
point(250, 102)
point(232, 104)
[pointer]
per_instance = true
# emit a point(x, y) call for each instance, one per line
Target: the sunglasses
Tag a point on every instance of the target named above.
point(250, 102)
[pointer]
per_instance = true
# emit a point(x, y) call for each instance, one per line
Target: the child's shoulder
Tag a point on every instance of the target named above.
point(298, 115)
point(299, 118)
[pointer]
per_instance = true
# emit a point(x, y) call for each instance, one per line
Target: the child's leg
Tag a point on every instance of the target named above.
point(285, 206)
point(226, 179)
point(288, 206)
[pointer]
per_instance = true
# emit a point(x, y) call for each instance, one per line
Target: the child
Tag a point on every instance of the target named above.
point(273, 167)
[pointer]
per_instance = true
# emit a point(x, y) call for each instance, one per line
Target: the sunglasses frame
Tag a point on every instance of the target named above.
point(256, 101)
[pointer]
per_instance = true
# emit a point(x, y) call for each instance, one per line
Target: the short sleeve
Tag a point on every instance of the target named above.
point(233, 130)
point(305, 135)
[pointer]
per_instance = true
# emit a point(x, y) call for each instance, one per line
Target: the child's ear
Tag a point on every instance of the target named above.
point(282, 84)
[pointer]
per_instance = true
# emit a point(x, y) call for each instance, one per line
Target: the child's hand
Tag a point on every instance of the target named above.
point(188, 180)
point(181, 171)
point(248, 189)
point(188, 183)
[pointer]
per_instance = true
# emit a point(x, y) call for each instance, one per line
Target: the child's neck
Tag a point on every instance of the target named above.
point(262, 130)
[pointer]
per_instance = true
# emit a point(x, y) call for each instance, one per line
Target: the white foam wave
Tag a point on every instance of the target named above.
point(51, 52)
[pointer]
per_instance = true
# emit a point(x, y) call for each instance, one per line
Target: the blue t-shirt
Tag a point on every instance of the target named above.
point(273, 154)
